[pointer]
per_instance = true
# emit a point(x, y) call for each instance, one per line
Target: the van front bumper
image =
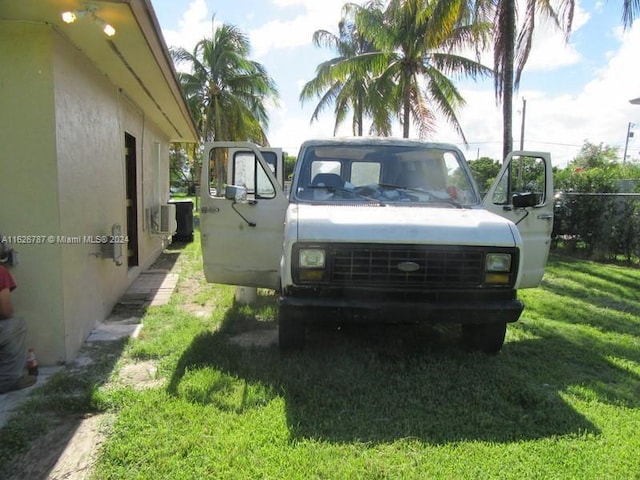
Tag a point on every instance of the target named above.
point(383, 310)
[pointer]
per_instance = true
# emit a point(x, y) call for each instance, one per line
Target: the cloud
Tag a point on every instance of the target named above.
point(551, 49)
point(599, 112)
point(605, 98)
point(195, 24)
point(296, 32)
point(597, 109)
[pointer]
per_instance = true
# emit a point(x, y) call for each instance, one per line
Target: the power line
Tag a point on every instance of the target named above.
point(528, 141)
point(556, 143)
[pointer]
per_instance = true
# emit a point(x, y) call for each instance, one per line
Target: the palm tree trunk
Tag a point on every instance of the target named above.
point(197, 165)
point(507, 86)
point(406, 111)
point(220, 167)
point(358, 115)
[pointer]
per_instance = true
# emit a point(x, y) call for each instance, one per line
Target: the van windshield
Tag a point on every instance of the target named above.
point(384, 174)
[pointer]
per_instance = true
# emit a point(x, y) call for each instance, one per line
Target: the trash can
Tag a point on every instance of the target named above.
point(184, 221)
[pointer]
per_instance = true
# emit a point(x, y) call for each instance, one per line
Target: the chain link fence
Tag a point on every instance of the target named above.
point(600, 226)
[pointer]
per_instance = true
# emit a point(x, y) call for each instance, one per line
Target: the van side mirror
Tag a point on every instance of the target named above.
point(236, 193)
point(523, 200)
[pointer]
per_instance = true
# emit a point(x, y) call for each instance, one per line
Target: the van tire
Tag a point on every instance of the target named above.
point(484, 337)
point(292, 328)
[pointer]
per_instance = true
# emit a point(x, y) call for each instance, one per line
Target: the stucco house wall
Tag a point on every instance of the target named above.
point(63, 175)
point(29, 194)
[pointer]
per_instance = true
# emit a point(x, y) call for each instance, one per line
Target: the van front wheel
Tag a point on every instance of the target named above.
point(291, 328)
point(484, 337)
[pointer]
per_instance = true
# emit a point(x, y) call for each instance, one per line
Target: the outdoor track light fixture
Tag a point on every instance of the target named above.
point(69, 17)
point(89, 10)
point(108, 30)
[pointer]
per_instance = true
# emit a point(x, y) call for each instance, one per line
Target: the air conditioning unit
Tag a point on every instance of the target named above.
point(166, 222)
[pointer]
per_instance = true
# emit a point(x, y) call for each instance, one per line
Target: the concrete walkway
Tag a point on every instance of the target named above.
point(151, 288)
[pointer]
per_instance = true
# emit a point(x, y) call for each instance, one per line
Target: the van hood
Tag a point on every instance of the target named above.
point(402, 225)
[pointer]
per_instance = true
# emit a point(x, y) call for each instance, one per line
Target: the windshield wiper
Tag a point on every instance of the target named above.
point(353, 193)
point(432, 196)
point(448, 201)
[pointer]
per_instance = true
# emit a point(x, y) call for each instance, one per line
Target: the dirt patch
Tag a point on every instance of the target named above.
point(256, 338)
point(140, 375)
point(200, 311)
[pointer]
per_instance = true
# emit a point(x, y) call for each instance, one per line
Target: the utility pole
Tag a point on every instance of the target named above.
point(626, 143)
point(524, 113)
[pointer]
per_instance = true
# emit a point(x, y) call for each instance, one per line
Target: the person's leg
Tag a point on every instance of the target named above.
point(13, 351)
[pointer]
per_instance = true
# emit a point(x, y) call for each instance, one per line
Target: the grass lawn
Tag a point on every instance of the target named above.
point(562, 399)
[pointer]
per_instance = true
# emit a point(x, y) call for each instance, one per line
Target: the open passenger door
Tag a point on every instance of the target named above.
point(243, 204)
point(523, 193)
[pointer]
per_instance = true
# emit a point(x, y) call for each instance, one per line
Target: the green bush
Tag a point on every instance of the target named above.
point(593, 217)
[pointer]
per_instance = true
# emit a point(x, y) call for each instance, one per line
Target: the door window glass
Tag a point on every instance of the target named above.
point(217, 171)
point(524, 175)
point(248, 173)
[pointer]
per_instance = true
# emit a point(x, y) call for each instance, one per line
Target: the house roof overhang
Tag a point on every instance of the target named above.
point(135, 59)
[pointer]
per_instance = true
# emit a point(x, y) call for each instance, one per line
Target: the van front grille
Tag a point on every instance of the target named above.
point(438, 267)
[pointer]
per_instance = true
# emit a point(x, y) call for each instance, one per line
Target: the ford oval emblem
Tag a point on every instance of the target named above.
point(408, 267)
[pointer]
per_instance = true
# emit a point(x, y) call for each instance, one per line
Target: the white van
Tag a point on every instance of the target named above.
point(378, 230)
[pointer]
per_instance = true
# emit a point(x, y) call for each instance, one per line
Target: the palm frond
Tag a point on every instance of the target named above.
point(225, 90)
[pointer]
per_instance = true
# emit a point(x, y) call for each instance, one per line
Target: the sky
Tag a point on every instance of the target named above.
point(575, 91)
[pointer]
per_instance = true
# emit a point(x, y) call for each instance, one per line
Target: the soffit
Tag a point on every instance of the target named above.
point(135, 59)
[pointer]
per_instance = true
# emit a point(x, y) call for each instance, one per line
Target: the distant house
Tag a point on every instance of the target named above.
point(86, 120)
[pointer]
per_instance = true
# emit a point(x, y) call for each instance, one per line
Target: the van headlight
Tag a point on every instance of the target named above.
point(314, 258)
point(311, 265)
point(498, 262)
point(497, 268)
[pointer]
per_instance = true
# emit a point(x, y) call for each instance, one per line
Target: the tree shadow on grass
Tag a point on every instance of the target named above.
point(618, 281)
point(391, 382)
point(603, 313)
point(617, 273)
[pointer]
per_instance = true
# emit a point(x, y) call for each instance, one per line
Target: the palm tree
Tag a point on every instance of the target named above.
point(226, 92)
point(349, 91)
point(630, 9)
point(510, 53)
point(414, 60)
